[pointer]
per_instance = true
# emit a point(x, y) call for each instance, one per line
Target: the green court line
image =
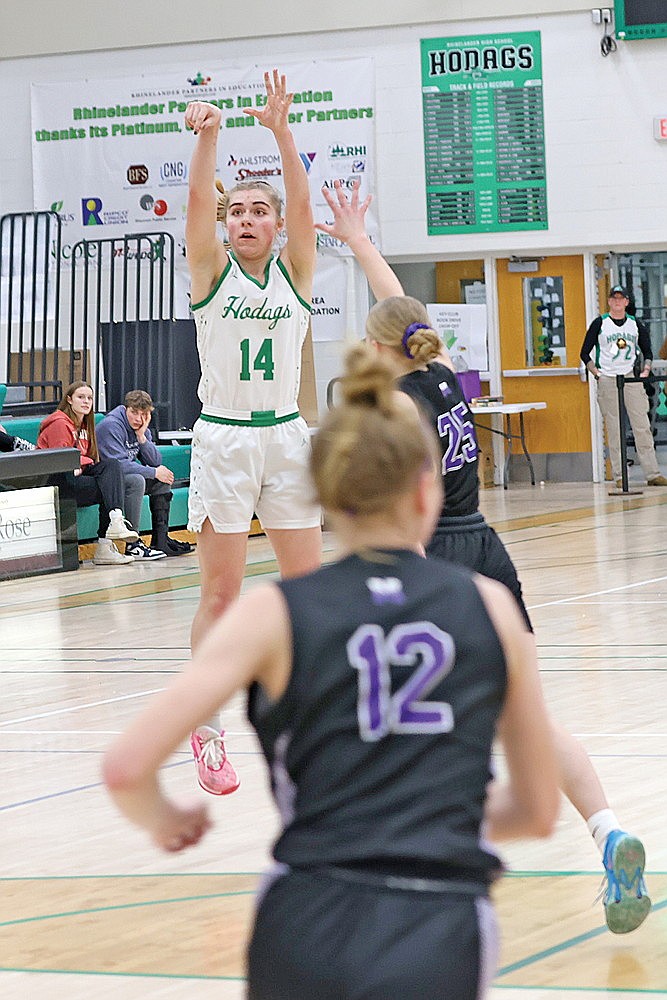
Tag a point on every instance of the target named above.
point(125, 906)
point(127, 591)
point(569, 943)
point(534, 874)
point(124, 975)
point(72, 878)
point(584, 989)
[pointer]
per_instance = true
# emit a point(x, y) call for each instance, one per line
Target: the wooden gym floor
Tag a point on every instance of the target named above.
point(89, 908)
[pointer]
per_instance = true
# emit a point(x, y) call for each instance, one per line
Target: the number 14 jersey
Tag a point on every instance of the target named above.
point(249, 336)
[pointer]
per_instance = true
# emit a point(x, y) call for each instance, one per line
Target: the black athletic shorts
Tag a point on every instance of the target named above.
point(318, 937)
point(469, 541)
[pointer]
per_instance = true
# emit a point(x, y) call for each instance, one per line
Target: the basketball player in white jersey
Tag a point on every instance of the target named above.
point(251, 305)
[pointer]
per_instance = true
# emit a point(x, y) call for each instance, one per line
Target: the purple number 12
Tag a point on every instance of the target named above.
point(372, 654)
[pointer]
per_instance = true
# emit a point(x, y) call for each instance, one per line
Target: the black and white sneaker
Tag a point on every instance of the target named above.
point(20, 444)
point(142, 553)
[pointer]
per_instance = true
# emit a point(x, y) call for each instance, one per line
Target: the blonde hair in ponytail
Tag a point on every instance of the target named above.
point(391, 322)
point(370, 448)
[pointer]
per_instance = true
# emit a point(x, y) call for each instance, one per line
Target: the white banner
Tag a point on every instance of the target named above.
point(112, 156)
point(28, 523)
point(330, 299)
point(463, 330)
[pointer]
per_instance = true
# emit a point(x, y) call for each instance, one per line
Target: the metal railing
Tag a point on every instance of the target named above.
point(30, 253)
point(108, 319)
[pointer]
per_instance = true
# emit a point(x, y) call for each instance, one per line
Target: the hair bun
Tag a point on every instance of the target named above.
point(367, 380)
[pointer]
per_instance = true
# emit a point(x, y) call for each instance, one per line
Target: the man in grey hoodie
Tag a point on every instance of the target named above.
point(124, 434)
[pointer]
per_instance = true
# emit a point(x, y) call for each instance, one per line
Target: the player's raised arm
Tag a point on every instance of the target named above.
point(206, 254)
point(299, 252)
point(349, 226)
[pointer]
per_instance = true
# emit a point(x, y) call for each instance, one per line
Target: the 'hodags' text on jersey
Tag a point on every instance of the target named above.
point(236, 306)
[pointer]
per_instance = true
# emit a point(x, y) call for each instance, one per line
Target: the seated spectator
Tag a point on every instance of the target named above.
point(98, 481)
point(8, 442)
point(124, 435)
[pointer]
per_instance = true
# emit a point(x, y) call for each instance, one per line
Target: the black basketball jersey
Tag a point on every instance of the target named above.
point(439, 394)
point(379, 750)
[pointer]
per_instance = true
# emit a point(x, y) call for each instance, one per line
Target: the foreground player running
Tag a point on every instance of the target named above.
point(377, 722)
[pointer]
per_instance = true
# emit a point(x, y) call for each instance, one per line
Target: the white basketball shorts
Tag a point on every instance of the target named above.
point(240, 471)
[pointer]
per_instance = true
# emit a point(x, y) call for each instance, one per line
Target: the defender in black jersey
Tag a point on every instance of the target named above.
point(400, 330)
point(375, 686)
point(462, 535)
point(379, 756)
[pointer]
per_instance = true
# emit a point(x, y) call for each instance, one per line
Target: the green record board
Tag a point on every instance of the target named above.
point(484, 133)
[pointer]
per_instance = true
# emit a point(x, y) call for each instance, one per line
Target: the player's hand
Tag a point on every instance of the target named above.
point(349, 214)
point(200, 115)
point(274, 114)
point(179, 827)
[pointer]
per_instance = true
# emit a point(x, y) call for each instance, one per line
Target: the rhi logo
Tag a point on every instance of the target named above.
point(339, 151)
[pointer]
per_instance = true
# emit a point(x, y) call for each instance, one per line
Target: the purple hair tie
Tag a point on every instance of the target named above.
point(409, 330)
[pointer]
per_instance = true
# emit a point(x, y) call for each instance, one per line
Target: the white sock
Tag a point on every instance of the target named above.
point(601, 824)
point(116, 512)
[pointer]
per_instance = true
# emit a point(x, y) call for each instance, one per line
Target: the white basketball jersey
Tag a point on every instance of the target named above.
point(617, 346)
point(249, 335)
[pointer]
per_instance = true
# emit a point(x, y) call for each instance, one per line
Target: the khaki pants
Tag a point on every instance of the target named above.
point(637, 406)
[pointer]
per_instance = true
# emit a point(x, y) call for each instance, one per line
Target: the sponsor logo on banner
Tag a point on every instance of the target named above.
point(256, 160)
point(174, 172)
point(156, 206)
point(345, 182)
point(199, 80)
point(137, 174)
point(90, 211)
point(66, 218)
point(341, 150)
point(257, 165)
point(92, 214)
point(307, 160)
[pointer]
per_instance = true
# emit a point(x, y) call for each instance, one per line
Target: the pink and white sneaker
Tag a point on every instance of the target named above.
point(214, 772)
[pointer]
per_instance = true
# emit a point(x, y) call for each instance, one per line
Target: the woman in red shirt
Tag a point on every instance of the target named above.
point(98, 481)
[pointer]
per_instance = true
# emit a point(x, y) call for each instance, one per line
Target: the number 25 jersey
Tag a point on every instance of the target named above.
point(438, 393)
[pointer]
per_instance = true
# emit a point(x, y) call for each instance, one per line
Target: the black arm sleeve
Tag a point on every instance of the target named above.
point(591, 339)
point(644, 341)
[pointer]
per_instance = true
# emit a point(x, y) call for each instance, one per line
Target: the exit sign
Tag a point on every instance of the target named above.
point(660, 129)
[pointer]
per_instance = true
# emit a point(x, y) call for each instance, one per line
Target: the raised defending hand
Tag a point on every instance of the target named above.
point(349, 214)
point(274, 114)
point(200, 115)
